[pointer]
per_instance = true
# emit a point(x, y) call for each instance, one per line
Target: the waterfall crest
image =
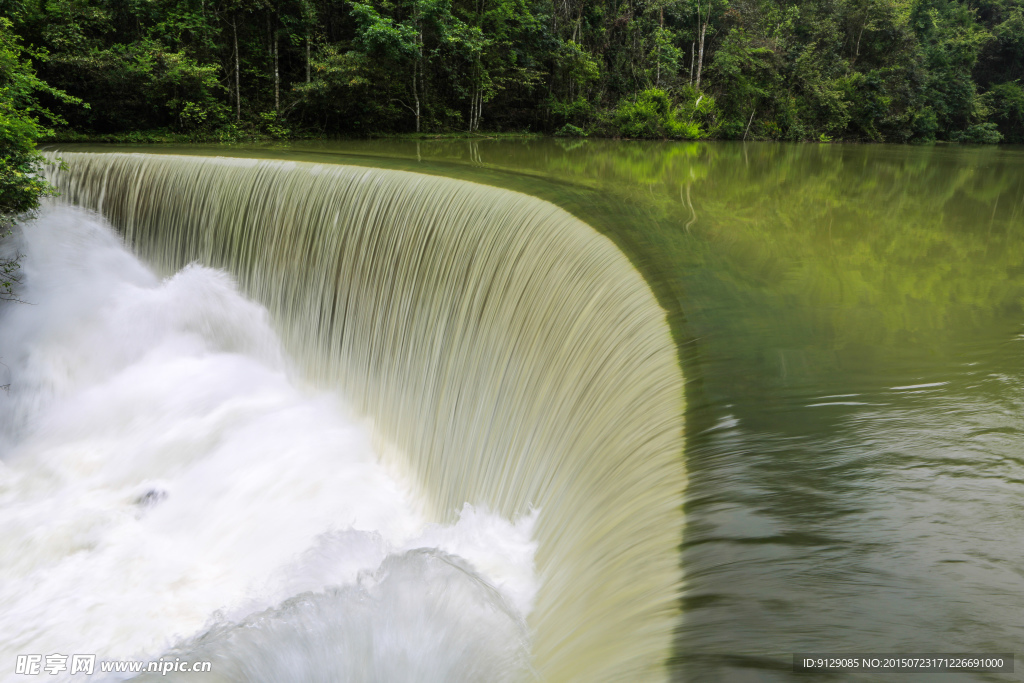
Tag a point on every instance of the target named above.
point(509, 357)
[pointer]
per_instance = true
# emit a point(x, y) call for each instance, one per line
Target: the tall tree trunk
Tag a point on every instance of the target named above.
point(693, 54)
point(661, 24)
point(860, 35)
point(277, 78)
point(700, 56)
point(472, 108)
point(205, 31)
point(272, 49)
point(416, 93)
point(307, 58)
point(476, 101)
point(749, 121)
point(238, 80)
point(417, 65)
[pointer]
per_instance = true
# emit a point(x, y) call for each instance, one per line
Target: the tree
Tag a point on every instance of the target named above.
point(882, 70)
point(21, 185)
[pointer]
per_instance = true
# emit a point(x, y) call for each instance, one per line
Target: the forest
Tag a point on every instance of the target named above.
point(799, 70)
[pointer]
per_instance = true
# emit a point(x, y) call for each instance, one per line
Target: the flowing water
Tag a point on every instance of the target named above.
point(509, 359)
point(848, 320)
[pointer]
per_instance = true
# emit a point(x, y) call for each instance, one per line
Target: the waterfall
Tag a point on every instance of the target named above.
point(508, 356)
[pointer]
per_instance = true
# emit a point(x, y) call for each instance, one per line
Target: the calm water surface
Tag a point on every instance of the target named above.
point(850, 324)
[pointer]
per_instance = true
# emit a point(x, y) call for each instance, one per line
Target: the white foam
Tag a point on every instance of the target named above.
point(163, 470)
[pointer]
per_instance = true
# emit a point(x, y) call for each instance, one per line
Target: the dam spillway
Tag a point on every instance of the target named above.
point(508, 356)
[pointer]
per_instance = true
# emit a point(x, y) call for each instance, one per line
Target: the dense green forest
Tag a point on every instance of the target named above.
point(881, 70)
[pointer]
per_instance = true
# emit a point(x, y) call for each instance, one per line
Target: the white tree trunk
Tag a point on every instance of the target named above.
point(416, 94)
point(693, 55)
point(700, 56)
point(238, 91)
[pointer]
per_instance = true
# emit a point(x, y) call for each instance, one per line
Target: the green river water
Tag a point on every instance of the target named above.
point(849, 321)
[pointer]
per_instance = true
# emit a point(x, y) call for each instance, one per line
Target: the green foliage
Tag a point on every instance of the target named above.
point(20, 183)
point(570, 131)
point(342, 88)
point(581, 69)
point(746, 76)
point(1006, 104)
point(879, 70)
point(665, 56)
point(272, 126)
point(580, 110)
point(145, 81)
point(951, 40)
point(8, 274)
point(652, 116)
point(20, 186)
point(979, 134)
point(381, 36)
point(700, 108)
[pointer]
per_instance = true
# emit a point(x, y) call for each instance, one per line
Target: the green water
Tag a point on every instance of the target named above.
point(850, 324)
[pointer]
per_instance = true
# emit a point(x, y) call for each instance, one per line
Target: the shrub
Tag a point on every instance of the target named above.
point(570, 131)
point(652, 116)
point(1006, 103)
point(979, 134)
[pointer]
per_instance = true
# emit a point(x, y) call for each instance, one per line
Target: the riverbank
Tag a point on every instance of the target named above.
point(163, 137)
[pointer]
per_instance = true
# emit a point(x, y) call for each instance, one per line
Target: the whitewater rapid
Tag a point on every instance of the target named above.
point(169, 485)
